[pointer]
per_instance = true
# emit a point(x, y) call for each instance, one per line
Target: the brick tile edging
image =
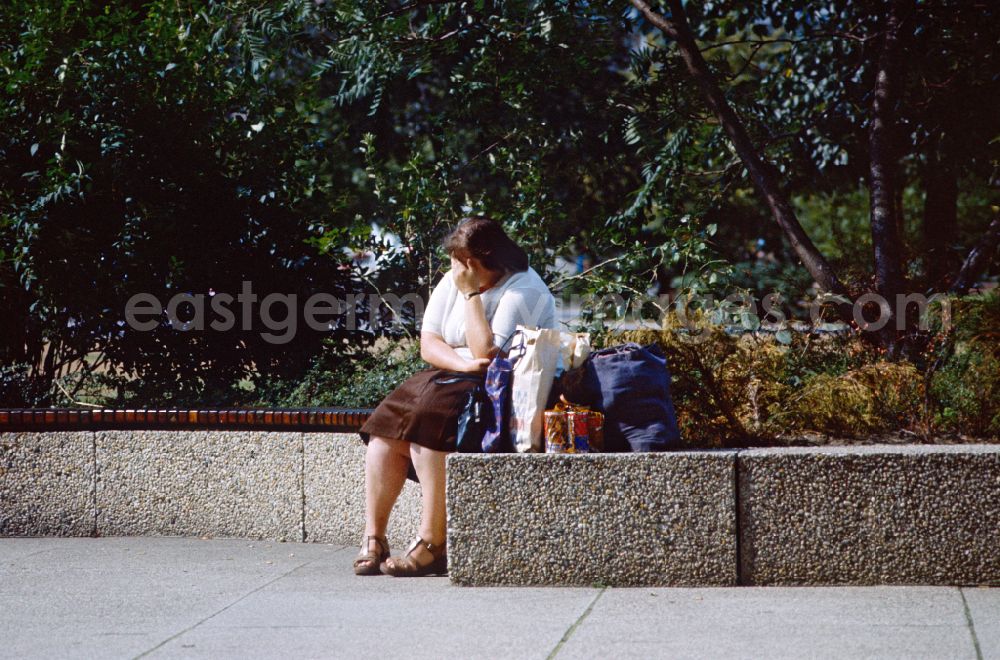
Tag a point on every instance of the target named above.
point(332, 420)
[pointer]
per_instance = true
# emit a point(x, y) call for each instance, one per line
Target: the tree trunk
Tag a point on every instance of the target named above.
point(978, 260)
point(765, 181)
point(14, 322)
point(883, 141)
point(940, 220)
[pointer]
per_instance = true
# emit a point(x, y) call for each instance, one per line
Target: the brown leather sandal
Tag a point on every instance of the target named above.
point(369, 562)
point(407, 566)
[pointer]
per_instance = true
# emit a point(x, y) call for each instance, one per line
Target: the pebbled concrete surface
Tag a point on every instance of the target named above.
point(610, 519)
point(839, 515)
point(335, 494)
point(200, 483)
point(174, 597)
point(47, 484)
point(870, 515)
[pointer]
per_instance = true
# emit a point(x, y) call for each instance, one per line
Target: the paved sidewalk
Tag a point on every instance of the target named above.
point(173, 597)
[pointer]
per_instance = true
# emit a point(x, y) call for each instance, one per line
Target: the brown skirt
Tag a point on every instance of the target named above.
point(421, 411)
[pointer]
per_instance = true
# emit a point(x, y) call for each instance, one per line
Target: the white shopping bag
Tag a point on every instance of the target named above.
point(534, 371)
point(574, 347)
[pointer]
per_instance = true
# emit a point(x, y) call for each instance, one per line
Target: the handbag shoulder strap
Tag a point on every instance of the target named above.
point(457, 378)
point(520, 346)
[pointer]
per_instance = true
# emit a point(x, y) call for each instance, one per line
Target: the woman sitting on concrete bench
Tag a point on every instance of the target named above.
point(489, 290)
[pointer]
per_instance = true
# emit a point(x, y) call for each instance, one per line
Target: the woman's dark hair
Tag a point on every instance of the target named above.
point(486, 240)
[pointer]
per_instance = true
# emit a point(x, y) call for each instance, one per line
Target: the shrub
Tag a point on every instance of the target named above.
point(875, 398)
point(360, 382)
point(19, 388)
point(966, 392)
point(378, 373)
point(964, 379)
point(734, 389)
point(165, 148)
point(729, 388)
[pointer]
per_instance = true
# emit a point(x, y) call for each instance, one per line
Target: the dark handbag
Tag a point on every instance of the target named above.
point(483, 420)
point(473, 418)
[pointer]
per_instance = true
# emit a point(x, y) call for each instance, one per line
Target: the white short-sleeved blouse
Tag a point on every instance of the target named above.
point(518, 298)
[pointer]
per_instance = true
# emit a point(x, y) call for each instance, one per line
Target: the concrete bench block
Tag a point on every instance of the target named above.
point(611, 519)
point(200, 483)
point(335, 494)
point(913, 514)
point(47, 484)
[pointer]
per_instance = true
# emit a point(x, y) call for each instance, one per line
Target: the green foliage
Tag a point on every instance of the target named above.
point(875, 398)
point(19, 389)
point(163, 149)
point(375, 376)
point(838, 224)
point(730, 388)
point(521, 111)
point(764, 276)
point(967, 393)
point(361, 382)
point(965, 386)
point(800, 75)
point(184, 147)
point(737, 388)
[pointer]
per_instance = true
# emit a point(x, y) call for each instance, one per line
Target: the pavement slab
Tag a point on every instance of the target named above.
point(323, 609)
point(984, 614)
point(175, 597)
point(13, 549)
point(118, 597)
point(776, 622)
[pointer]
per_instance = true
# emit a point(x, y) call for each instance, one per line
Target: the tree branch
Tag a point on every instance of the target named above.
point(762, 173)
point(419, 39)
point(490, 148)
point(753, 53)
point(978, 259)
point(785, 40)
point(411, 5)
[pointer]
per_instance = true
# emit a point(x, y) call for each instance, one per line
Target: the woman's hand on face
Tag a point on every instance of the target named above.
point(466, 279)
point(476, 365)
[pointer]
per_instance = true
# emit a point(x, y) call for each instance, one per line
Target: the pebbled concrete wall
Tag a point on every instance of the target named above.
point(913, 514)
point(611, 519)
point(195, 483)
point(47, 484)
point(284, 486)
point(334, 472)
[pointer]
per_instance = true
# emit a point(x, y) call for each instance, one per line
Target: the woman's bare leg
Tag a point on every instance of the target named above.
point(429, 465)
point(386, 462)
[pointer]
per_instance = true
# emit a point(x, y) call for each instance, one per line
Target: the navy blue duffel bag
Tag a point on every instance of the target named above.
point(630, 384)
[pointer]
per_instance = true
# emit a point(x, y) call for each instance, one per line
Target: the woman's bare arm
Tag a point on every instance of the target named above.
point(437, 353)
point(478, 333)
